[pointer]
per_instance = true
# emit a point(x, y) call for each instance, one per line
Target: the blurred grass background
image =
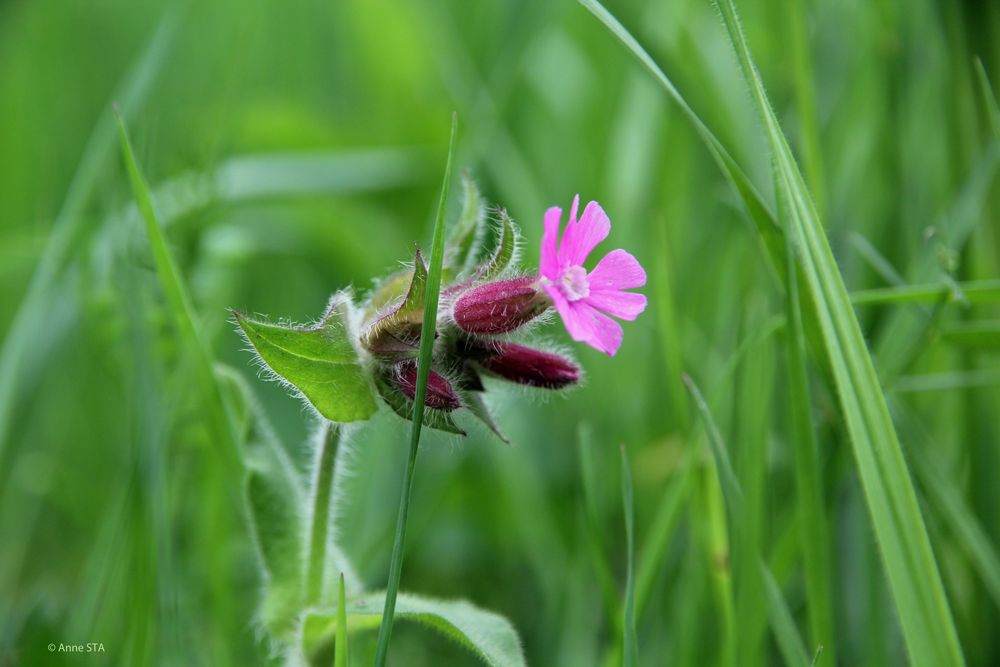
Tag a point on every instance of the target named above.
point(295, 148)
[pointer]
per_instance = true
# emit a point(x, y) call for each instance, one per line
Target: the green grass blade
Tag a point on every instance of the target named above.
point(813, 520)
point(975, 291)
point(340, 655)
point(69, 225)
point(926, 621)
point(180, 309)
point(758, 210)
point(630, 639)
point(805, 99)
point(427, 333)
point(790, 642)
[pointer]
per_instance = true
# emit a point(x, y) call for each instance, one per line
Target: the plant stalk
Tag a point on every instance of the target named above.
point(321, 493)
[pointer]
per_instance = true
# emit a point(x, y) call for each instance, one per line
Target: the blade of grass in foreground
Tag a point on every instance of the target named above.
point(630, 639)
point(180, 309)
point(925, 619)
point(814, 535)
point(427, 330)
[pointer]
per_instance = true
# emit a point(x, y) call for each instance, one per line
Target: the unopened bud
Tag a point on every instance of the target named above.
point(440, 394)
point(501, 306)
point(526, 365)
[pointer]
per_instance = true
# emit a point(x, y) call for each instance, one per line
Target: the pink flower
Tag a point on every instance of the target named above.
point(584, 300)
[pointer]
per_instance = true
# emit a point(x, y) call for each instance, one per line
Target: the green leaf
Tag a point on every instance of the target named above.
point(403, 406)
point(319, 361)
point(925, 619)
point(505, 250)
point(462, 247)
point(488, 636)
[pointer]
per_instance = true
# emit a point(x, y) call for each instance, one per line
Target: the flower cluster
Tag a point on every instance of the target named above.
point(486, 301)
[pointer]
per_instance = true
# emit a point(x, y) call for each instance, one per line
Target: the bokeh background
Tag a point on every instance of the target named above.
point(296, 148)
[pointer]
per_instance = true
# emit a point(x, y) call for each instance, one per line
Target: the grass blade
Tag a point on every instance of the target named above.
point(813, 531)
point(69, 224)
point(791, 645)
point(758, 210)
point(630, 639)
point(925, 618)
point(976, 291)
point(181, 311)
point(427, 332)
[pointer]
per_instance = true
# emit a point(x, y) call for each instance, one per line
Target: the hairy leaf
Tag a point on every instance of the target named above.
point(489, 636)
point(319, 361)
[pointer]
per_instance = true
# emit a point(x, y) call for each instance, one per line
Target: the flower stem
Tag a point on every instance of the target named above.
point(427, 332)
point(321, 491)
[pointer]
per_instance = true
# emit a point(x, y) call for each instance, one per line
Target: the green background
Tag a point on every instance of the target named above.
point(296, 148)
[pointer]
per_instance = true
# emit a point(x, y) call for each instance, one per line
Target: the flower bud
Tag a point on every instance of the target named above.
point(440, 394)
point(525, 365)
point(501, 306)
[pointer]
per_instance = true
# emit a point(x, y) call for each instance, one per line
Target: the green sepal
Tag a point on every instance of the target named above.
point(396, 331)
point(506, 248)
point(463, 244)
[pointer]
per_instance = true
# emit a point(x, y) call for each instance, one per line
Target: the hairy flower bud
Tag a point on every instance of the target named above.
point(501, 306)
point(440, 394)
point(526, 365)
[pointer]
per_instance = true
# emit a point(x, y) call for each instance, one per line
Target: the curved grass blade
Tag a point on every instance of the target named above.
point(926, 621)
point(423, 373)
point(180, 309)
point(758, 210)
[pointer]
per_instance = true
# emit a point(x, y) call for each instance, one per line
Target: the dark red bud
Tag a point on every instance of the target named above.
point(525, 365)
point(501, 306)
point(440, 394)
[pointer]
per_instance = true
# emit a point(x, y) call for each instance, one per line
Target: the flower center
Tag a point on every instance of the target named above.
point(573, 283)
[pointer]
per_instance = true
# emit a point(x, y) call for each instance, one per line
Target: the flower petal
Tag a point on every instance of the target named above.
point(577, 325)
point(606, 334)
point(626, 305)
point(580, 238)
point(549, 264)
point(586, 325)
point(573, 209)
point(616, 271)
